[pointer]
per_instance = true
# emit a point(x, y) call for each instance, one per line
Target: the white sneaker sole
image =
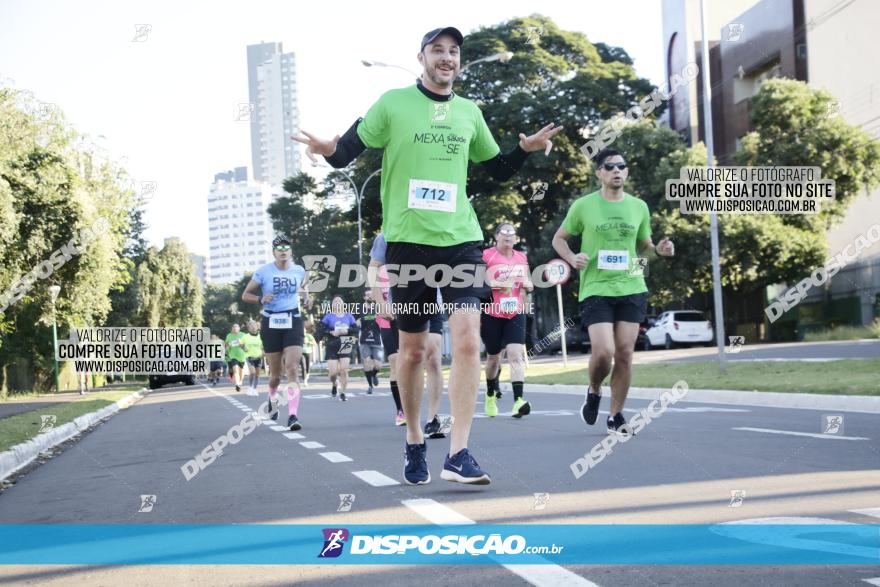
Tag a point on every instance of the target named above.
point(425, 482)
point(456, 478)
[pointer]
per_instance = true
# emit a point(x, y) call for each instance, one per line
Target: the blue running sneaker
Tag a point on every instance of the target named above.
point(415, 467)
point(462, 468)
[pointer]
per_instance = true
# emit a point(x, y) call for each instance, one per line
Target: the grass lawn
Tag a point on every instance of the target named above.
point(22, 427)
point(844, 377)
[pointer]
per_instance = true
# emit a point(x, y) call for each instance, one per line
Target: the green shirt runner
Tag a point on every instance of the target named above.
point(308, 344)
point(253, 345)
point(424, 168)
point(609, 232)
point(234, 348)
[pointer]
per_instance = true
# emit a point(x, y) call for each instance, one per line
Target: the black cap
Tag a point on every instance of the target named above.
point(450, 30)
point(281, 239)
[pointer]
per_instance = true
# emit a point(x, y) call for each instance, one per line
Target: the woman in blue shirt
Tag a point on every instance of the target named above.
point(280, 284)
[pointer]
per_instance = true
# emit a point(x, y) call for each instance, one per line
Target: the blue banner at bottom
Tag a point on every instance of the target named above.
point(564, 544)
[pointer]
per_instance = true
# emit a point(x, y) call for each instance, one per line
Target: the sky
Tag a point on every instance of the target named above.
point(165, 104)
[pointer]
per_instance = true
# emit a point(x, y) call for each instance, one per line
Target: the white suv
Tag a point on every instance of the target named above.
point(679, 327)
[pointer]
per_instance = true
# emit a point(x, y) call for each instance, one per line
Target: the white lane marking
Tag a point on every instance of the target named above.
point(336, 457)
point(293, 435)
point(436, 513)
point(809, 434)
point(279, 428)
point(311, 444)
point(547, 575)
point(875, 581)
point(267, 422)
point(375, 478)
point(873, 512)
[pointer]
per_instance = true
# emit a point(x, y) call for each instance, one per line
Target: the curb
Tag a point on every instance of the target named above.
point(22, 454)
point(770, 399)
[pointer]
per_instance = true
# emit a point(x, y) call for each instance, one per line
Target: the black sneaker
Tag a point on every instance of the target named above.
point(618, 425)
point(376, 378)
point(333, 391)
point(238, 388)
point(432, 429)
point(272, 408)
point(415, 467)
point(590, 409)
point(370, 390)
point(342, 396)
point(293, 422)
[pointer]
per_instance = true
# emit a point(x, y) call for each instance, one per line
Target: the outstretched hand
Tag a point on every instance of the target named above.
point(539, 140)
point(316, 146)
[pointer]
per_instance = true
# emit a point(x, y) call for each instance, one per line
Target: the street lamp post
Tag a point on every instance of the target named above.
point(358, 195)
point(713, 218)
point(54, 290)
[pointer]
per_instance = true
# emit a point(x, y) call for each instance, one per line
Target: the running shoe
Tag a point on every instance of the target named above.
point(342, 396)
point(618, 425)
point(432, 428)
point(415, 467)
point(376, 378)
point(272, 408)
point(370, 390)
point(590, 409)
point(521, 408)
point(401, 419)
point(238, 388)
point(491, 406)
point(462, 468)
point(333, 391)
point(293, 422)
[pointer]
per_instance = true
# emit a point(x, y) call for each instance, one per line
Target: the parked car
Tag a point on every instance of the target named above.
point(576, 340)
point(157, 381)
point(679, 327)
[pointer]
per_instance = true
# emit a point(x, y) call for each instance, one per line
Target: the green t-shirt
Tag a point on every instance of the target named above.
point(234, 348)
point(609, 232)
point(424, 168)
point(253, 345)
point(309, 344)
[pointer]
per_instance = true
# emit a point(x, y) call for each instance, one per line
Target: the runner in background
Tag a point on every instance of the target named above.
point(236, 355)
point(371, 342)
point(309, 348)
point(253, 347)
point(339, 329)
point(503, 324)
point(386, 322)
point(216, 366)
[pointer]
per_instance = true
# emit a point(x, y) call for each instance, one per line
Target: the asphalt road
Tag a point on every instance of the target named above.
point(681, 468)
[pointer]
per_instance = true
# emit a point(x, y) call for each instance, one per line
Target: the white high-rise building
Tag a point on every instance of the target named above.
point(275, 117)
point(239, 228)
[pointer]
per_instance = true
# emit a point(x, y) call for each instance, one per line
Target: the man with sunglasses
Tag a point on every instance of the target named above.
point(281, 283)
point(503, 324)
point(615, 231)
point(429, 135)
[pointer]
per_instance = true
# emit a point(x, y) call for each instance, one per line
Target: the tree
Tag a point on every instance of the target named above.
point(55, 190)
point(168, 291)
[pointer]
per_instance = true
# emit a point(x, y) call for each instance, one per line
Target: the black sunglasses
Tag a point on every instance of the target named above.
point(610, 166)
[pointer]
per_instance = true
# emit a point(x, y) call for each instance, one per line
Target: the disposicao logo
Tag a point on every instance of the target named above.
point(334, 539)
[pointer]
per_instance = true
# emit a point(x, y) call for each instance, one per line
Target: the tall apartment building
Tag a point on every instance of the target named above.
point(275, 117)
point(240, 231)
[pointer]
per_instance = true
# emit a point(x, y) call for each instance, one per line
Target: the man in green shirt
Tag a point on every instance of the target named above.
point(253, 347)
point(429, 135)
point(615, 229)
point(236, 355)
